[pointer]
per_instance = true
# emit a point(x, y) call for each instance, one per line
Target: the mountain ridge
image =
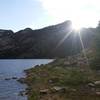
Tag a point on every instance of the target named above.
point(41, 43)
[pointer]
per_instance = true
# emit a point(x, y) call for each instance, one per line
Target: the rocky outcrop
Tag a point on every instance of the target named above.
point(49, 42)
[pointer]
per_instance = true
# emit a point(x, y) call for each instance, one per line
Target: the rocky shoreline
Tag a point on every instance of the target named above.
point(55, 81)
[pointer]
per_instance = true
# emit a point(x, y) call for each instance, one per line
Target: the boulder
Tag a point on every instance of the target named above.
point(97, 82)
point(59, 89)
point(98, 93)
point(44, 91)
point(91, 84)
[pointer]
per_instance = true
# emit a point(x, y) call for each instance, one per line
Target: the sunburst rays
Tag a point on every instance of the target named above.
point(80, 40)
point(83, 48)
point(65, 37)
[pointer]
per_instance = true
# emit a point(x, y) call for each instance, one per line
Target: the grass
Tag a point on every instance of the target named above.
point(57, 74)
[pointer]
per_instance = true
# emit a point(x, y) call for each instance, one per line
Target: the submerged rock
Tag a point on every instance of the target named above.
point(7, 78)
point(22, 93)
point(21, 80)
point(14, 78)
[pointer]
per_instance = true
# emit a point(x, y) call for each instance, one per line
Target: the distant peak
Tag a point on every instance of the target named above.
point(68, 22)
point(28, 29)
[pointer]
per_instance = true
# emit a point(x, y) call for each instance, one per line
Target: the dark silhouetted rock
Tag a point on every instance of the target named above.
point(49, 42)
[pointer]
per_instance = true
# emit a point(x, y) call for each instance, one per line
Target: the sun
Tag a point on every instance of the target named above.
point(76, 26)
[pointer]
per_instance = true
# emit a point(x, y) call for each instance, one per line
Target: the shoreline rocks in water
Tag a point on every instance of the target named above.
point(7, 78)
point(11, 78)
point(14, 78)
point(21, 80)
point(23, 93)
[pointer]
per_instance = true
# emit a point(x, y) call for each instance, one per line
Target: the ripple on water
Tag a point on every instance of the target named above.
point(9, 89)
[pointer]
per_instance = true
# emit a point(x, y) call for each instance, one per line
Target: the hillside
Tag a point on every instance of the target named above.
point(49, 42)
point(62, 79)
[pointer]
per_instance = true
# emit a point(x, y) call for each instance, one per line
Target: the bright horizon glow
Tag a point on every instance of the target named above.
point(36, 14)
point(82, 13)
point(76, 26)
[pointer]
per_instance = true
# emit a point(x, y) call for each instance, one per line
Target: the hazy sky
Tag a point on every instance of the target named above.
point(19, 14)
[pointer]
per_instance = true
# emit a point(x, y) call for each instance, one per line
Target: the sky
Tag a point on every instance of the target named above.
point(20, 14)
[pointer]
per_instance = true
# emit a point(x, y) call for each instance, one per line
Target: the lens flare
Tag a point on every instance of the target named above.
point(65, 37)
point(83, 48)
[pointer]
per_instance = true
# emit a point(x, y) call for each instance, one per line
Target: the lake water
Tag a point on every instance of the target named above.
point(9, 89)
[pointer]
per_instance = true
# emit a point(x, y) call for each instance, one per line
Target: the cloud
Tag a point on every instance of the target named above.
point(85, 11)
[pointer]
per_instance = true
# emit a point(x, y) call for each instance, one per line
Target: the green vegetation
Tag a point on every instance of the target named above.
point(57, 81)
point(95, 63)
point(73, 78)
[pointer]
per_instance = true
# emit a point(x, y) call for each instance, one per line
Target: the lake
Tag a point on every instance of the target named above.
point(9, 89)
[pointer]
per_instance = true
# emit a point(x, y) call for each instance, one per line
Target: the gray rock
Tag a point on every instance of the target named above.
point(44, 91)
point(98, 93)
point(59, 89)
point(91, 85)
point(97, 82)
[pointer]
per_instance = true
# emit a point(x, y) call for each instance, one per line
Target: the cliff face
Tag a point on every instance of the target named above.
point(49, 42)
